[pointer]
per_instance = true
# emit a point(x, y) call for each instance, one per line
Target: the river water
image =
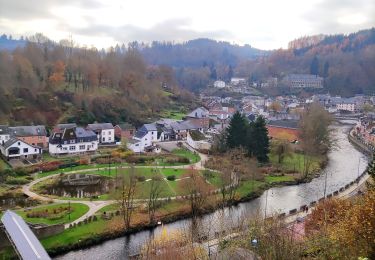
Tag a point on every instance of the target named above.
point(345, 164)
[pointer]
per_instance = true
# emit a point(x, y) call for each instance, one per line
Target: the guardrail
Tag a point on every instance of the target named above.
point(330, 195)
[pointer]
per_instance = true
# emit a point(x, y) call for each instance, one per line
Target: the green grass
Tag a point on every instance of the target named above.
point(74, 235)
point(248, 186)
point(295, 162)
point(173, 114)
point(193, 157)
point(276, 179)
point(78, 210)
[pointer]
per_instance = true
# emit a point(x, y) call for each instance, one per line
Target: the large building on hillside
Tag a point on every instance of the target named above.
point(73, 140)
point(303, 81)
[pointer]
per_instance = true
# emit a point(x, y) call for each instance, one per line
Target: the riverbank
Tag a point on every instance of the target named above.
point(70, 241)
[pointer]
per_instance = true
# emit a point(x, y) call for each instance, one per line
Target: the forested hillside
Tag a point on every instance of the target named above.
point(46, 83)
point(347, 62)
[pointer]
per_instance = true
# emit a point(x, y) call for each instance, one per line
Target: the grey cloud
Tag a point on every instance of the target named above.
point(168, 30)
point(39, 9)
point(323, 17)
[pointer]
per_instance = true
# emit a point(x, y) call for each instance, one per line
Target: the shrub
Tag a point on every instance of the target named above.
point(16, 181)
point(171, 177)
point(141, 178)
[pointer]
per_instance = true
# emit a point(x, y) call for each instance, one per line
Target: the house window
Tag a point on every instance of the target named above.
point(72, 148)
point(103, 139)
point(25, 150)
point(82, 147)
point(19, 143)
point(72, 141)
point(35, 150)
point(64, 148)
point(109, 139)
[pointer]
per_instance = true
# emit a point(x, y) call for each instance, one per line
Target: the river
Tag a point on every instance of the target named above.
point(345, 163)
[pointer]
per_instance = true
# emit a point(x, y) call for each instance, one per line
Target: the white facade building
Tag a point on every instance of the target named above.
point(15, 148)
point(105, 132)
point(219, 84)
point(73, 141)
point(4, 134)
point(143, 138)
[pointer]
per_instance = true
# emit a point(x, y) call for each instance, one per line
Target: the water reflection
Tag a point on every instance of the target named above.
point(344, 164)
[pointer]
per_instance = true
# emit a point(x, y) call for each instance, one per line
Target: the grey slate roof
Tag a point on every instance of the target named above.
point(14, 140)
point(293, 124)
point(199, 113)
point(37, 130)
point(184, 125)
point(23, 238)
point(81, 132)
point(4, 129)
point(100, 126)
point(150, 127)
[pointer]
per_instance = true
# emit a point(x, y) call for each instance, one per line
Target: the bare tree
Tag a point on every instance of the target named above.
point(154, 195)
point(197, 190)
point(126, 198)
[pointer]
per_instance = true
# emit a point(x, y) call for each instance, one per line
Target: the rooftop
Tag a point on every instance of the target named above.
point(37, 130)
point(293, 124)
point(100, 126)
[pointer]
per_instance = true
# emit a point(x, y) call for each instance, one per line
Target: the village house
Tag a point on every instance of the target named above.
point(105, 132)
point(144, 138)
point(4, 134)
point(346, 104)
point(219, 84)
point(33, 135)
point(73, 140)
point(15, 148)
point(283, 129)
point(303, 81)
point(200, 117)
point(124, 131)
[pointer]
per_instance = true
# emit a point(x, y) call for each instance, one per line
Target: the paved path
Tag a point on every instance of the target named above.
point(94, 206)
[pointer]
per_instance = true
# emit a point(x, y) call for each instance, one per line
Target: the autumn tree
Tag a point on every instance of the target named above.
point(57, 76)
point(282, 149)
point(315, 137)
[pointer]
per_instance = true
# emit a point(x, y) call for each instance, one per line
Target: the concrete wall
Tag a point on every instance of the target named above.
point(39, 231)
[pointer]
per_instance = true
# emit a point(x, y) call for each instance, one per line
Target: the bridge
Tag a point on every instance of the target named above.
point(23, 240)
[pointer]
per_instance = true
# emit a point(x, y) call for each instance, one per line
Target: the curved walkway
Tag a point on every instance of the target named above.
point(94, 206)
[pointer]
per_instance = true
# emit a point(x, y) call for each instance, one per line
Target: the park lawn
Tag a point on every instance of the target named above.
point(78, 211)
point(193, 157)
point(248, 186)
point(109, 208)
point(295, 162)
point(170, 171)
point(142, 190)
point(213, 178)
point(277, 179)
point(74, 235)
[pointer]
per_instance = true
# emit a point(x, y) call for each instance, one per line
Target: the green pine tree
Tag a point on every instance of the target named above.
point(236, 131)
point(261, 144)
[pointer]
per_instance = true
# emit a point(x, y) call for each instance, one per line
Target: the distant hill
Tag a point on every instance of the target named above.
point(10, 44)
point(198, 52)
point(347, 62)
point(46, 83)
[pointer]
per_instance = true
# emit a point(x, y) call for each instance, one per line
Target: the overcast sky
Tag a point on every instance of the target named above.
point(265, 24)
